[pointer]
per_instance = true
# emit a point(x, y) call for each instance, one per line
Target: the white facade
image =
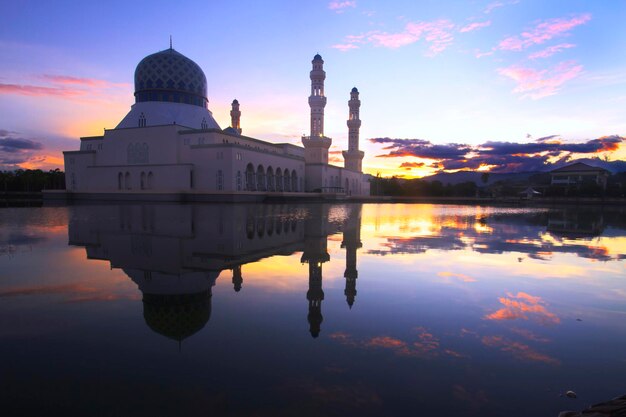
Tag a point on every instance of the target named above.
point(170, 143)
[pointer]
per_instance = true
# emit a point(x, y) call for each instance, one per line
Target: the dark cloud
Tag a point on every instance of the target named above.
point(13, 145)
point(16, 150)
point(410, 165)
point(503, 156)
point(4, 133)
point(547, 138)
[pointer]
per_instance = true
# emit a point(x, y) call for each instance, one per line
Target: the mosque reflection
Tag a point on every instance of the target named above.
point(175, 253)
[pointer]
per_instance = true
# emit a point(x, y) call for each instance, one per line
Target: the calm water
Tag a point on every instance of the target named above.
point(310, 310)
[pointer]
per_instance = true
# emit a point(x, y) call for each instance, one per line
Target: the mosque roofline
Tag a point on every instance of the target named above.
point(174, 124)
point(91, 137)
point(192, 131)
point(77, 152)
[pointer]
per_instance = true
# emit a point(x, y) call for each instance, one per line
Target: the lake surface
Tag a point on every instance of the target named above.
point(310, 310)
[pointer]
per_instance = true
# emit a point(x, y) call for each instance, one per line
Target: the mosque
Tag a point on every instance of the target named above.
point(170, 147)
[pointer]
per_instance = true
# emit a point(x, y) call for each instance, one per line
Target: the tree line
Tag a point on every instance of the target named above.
point(31, 180)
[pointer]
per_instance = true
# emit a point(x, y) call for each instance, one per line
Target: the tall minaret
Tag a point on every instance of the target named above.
point(353, 157)
point(316, 145)
point(235, 115)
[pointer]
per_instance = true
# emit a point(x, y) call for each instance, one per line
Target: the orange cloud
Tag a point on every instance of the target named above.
point(385, 342)
point(460, 277)
point(521, 306)
point(518, 350)
point(426, 345)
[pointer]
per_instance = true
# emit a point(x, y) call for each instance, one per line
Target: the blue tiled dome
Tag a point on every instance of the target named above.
point(170, 76)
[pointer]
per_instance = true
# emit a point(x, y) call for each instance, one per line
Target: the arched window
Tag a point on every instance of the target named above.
point(260, 178)
point(250, 178)
point(287, 180)
point(294, 181)
point(120, 181)
point(238, 180)
point(127, 181)
point(279, 179)
point(142, 181)
point(144, 153)
point(220, 180)
point(142, 120)
point(150, 180)
point(270, 179)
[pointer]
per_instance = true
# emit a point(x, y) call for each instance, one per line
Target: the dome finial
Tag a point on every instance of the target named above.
point(170, 41)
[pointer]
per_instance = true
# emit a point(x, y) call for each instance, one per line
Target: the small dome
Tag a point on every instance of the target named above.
point(354, 90)
point(317, 57)
point(170, 76)
point(235, 101)
point(231, 130)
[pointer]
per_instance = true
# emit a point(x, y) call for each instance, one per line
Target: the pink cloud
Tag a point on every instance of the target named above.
point(340, 6)
point(475, 26)
point(537, 84)
point(343, 47)
point(38, 91)
point(491, 6)
point(438, 34)
point(543, 32)
point(482, 54)
point(64, 86)
point(497, 4)
point(67, 79)
point(551, 50)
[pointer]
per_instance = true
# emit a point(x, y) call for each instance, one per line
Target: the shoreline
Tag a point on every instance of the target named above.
point(23, 197)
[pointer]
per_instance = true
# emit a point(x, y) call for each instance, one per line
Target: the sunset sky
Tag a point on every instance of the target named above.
point(498, 85)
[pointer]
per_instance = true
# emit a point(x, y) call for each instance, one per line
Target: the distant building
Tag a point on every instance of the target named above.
point(578, 174)
point(169, 144)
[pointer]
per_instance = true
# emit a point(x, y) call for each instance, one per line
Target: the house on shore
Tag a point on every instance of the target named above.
point(579, 174)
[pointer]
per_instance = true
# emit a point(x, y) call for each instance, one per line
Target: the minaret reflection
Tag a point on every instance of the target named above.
point(175, 253)
point(237, 278)
point(315, 254)
point(351, 242)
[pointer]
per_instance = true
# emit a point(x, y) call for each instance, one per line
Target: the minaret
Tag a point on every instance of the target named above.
point(316, 145)
point(353, 157)
point(351, 242)
point(235, 115)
